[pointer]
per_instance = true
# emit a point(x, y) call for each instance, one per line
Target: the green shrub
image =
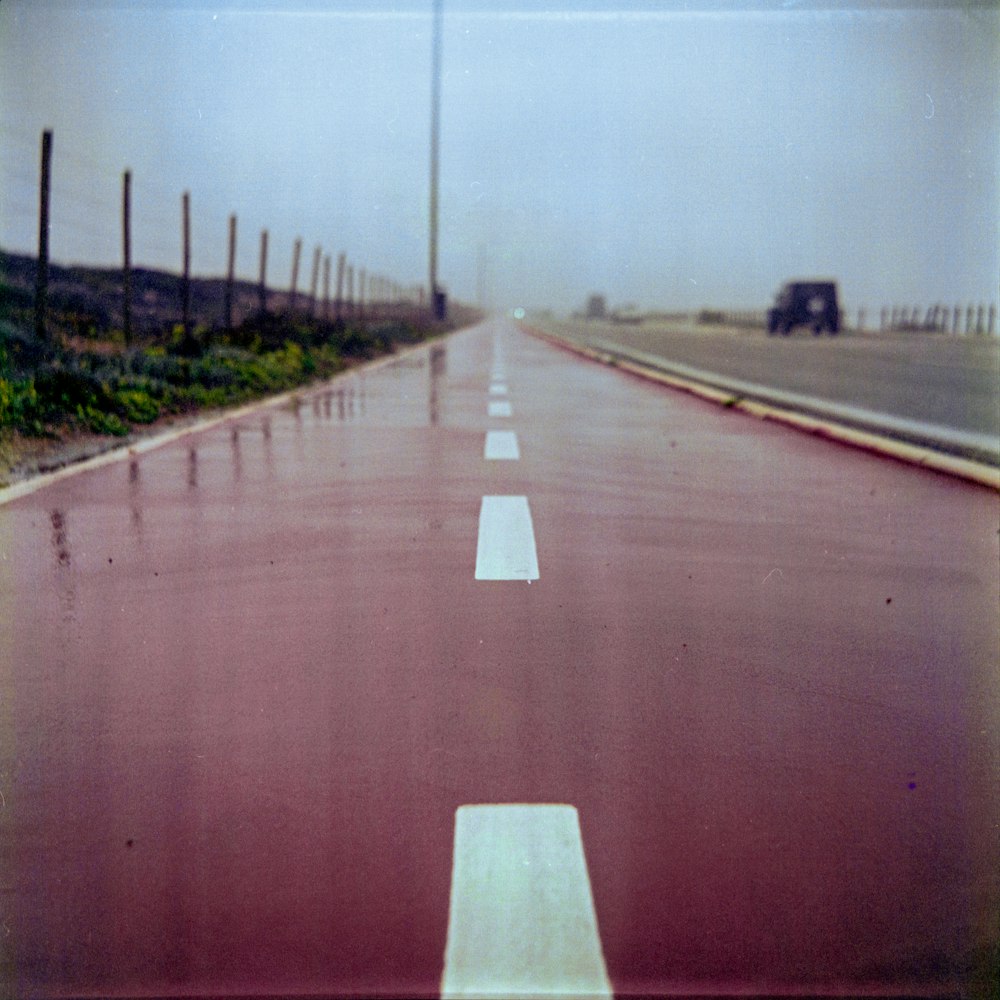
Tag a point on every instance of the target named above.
point(100, 421)
point(63, 390)
point(20, 406)
point(155, 363)
point(212, 372)
point(136, 405)
point(43, 385)
point(21, 351)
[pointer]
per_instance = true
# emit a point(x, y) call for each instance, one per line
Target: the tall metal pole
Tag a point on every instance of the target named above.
point(435, 142)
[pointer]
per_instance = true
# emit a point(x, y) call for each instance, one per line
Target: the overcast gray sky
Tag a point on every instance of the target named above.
point(670, 155)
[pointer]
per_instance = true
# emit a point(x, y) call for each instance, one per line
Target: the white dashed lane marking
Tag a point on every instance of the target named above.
point(521, 920)
point(499, 408)
point(498, 389)
point(501, 445)
point(506, 546)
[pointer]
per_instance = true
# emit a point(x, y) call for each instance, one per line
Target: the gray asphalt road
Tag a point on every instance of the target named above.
point(949, 381)
point(250, 678)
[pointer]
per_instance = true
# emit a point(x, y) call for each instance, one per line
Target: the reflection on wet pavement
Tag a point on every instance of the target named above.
point(237, 454)
point(249, 716)
point(134, 495)
point(65, 582)
point(59, 537)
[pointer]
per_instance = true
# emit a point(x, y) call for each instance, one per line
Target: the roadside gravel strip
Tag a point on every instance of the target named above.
point(971, 456)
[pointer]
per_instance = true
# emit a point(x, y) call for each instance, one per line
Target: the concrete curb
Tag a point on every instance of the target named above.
point(199, 426)
point(844, 425)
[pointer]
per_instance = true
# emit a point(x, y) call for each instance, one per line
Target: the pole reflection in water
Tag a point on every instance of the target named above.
point(65, 580)
point(134, 496)
point(268, 450)
point(60, 542)
point(438, 369)
point(234, 440)
point(192, 468)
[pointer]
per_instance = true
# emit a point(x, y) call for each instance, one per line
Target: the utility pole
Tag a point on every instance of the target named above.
point(439, 305)
point(481, 277)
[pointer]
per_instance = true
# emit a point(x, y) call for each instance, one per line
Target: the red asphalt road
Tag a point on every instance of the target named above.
point(249, 677)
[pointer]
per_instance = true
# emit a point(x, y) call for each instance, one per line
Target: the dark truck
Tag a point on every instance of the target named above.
point(805, 303)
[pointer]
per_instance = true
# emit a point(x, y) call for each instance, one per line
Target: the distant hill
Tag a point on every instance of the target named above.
point(89, 300)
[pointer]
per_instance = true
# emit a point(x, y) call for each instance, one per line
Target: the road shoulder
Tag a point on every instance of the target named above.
point(970, 457)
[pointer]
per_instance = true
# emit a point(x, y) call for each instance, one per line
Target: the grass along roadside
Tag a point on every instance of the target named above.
point(68, 398)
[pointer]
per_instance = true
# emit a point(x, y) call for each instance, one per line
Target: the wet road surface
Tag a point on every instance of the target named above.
point(250, 677)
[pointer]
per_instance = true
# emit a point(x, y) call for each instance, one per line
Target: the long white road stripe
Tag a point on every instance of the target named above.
point(501, 445)
point(522, 920)
point(506, 546)
point(499, 408)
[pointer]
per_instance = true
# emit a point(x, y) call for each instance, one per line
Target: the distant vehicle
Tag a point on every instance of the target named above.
point(805, 303)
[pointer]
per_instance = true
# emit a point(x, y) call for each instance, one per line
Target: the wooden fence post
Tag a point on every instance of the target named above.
point(186, 276)
point(127, 256)
point(314, 285)
point(262, 290)
point(296, 253)
point(42, 273)
point(326, 287)
point(338, 302)
point(230, 274)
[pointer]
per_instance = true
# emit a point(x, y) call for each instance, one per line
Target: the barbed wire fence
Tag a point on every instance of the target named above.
point(80, 212)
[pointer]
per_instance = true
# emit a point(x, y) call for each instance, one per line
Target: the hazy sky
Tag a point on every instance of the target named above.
point(671, 155)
